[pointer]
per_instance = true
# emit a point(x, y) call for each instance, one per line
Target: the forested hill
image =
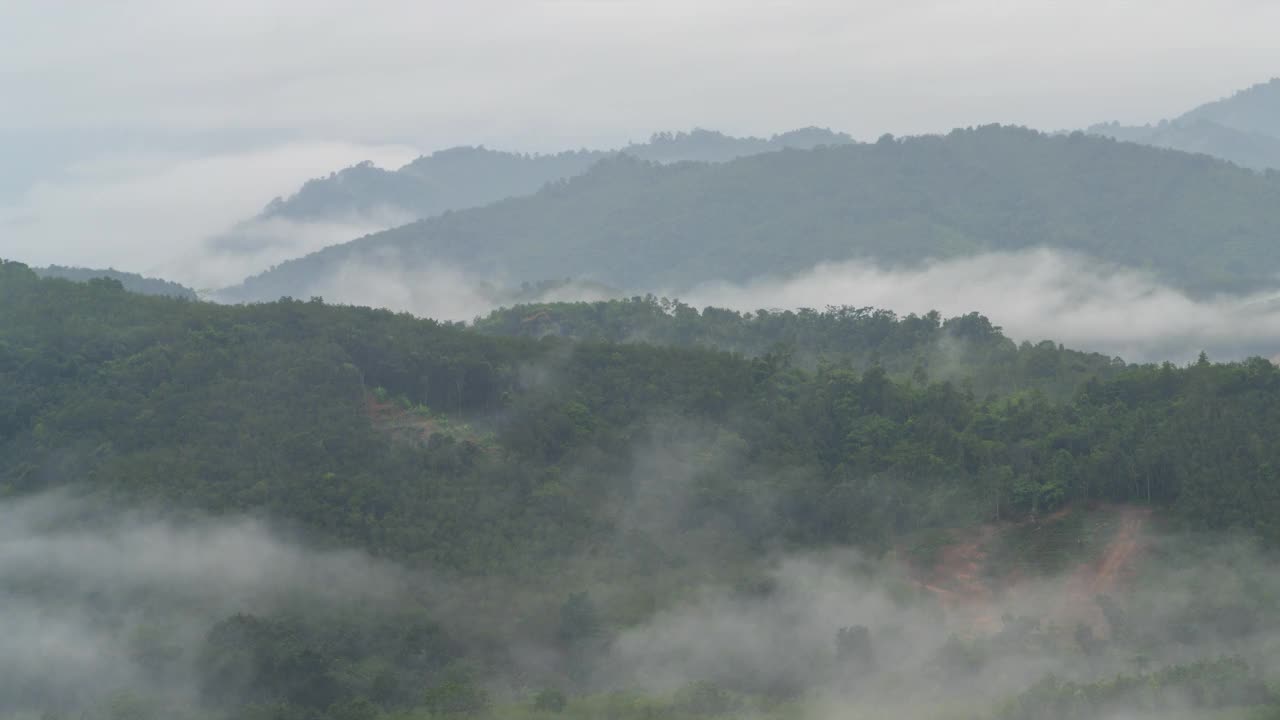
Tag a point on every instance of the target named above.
point(1243, 128)
point(233, 408)
point(516, 474)
point(968, 350)
point(1199, 223)
point(464, 177)
point(132, 282)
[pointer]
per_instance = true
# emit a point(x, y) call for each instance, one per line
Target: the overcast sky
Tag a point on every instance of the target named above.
point(133, 91)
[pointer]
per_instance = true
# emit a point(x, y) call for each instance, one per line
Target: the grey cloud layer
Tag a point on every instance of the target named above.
point(543, 74)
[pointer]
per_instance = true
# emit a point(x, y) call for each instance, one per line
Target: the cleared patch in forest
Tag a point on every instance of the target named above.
point(419, 424)
point(1082, 553)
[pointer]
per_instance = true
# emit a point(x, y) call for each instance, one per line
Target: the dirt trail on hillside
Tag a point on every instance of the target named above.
point(958, 581)
point(1123, 549)
point(1105, 575)
point(965, 585)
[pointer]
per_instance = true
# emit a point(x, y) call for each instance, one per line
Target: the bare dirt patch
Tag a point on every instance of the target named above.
point(1071, 558)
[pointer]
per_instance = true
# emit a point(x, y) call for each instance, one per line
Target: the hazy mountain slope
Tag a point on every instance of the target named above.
point(1243, 128)
point(1253, 110)
point(464, 177)
point(448, 179)
point(711, 146)
point(132, 282)
point(1246, 149)
point(1202, 224)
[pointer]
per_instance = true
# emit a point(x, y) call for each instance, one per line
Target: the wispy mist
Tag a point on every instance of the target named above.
point(154, 213)
point(99, 604)
point(443, 292)
point(1034, 296)
point(91, 598)
point(921, 652)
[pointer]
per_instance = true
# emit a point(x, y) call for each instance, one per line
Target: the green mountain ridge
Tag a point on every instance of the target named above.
point(1199, 224)
point(464, 177)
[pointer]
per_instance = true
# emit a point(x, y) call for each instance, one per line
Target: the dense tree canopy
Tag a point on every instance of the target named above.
point(265, 405)
point(557, 464)
point(968, 350)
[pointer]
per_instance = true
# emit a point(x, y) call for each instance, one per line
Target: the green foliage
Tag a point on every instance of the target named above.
point(263, 407)
point(550, 700)
point(1048, 546)
point(923, 549)
point(959, 660)
point(966, 349)
point(854, 649)
point(459, 693)
point(1205, 685)
point(704, 698)
point(131, 706)
point(634, 465)
point(130, 281)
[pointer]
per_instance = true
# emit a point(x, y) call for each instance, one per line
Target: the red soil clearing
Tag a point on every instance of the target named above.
point(957, 579)
point(393, 418)
point(1106, 574)
point(967, 591)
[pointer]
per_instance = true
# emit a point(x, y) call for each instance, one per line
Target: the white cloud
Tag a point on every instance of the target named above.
point(154, 212)
point(1034, 296)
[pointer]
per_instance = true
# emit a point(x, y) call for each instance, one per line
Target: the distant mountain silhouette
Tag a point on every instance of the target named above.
point(1199, 223)
point(1244, 129)
point(465, 177)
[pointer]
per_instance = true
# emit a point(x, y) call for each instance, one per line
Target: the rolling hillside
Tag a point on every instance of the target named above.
point(493, 515)
point(1201, 224)
point(465, 177)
